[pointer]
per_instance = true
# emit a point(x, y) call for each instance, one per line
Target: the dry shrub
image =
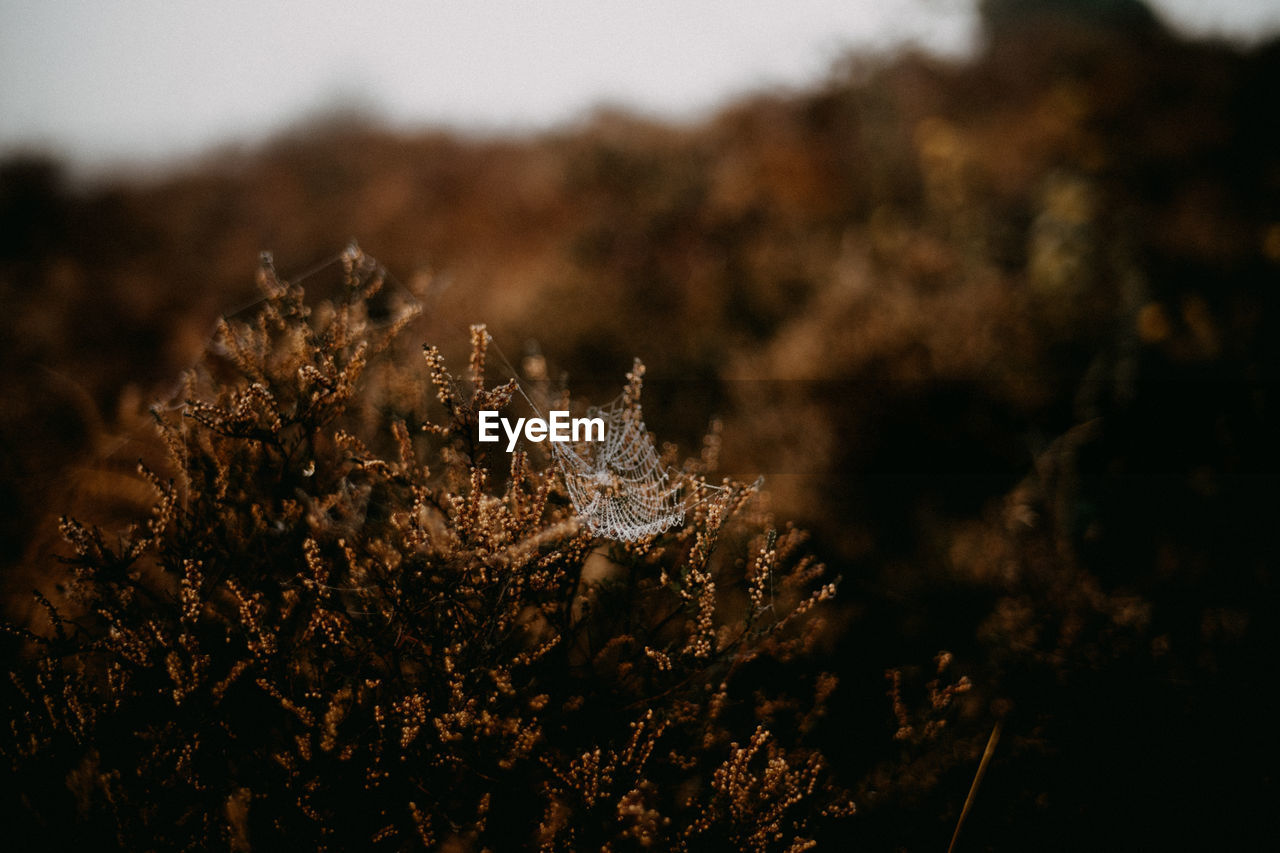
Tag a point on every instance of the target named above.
point(344, 626)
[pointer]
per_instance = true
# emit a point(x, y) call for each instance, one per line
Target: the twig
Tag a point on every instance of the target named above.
point(977, 780)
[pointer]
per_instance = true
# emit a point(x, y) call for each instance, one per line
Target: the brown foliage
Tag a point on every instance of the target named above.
point(998, 331)
point(342, 626)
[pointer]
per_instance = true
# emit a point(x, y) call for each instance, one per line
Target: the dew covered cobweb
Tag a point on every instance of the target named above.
point(619, 486)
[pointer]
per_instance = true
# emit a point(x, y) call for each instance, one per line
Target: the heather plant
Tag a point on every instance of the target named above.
point(345, 624)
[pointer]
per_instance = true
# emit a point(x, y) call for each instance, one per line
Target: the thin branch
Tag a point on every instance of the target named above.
point(977, 780)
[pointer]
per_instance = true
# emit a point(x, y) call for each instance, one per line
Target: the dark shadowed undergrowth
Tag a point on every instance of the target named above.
point(342, 626)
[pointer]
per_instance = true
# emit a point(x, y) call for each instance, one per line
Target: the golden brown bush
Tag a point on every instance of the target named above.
point(344, 625)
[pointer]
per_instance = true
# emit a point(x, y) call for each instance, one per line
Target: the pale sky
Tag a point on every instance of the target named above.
point(141, 80)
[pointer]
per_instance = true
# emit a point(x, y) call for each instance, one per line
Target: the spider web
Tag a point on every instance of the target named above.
point(618, 486)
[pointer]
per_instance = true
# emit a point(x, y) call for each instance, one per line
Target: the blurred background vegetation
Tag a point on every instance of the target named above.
point(999, 331)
